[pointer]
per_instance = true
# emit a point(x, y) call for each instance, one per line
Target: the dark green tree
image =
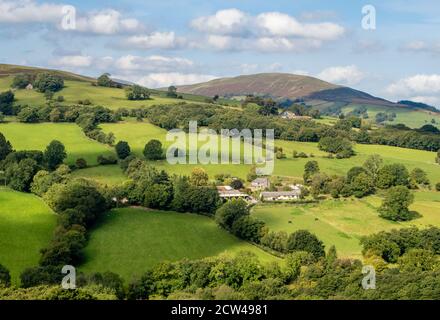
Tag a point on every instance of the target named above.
point(6, 102)
point(231, 211)
point(5, 277)
point(122, 149)
point(54, 154)
point(303, 240)
point(48, 82)
point(392, 175)
point(310, 169)
point(153, 150)
point(395, 205)
point(5, 147)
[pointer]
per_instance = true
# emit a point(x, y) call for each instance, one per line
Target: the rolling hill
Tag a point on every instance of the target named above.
point(282, 86)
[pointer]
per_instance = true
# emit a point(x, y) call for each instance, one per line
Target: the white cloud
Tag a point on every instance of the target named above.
point(421, 85)
point(344, 75)
point(76, 61)
point(230, 21)
point(28, 11)
point(155, 40)
point(107, 21)
point(233, 29)
point(159, 80)
point(422, 47)
point(283, 25)
point(130, 63)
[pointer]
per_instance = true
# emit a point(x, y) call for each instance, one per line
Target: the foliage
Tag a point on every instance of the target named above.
point(122, 149)
point(303, 240)
point(310, 169)
point(392, 175)
point(199, 177)
point(395, 205)
point(5, 147)
point(5, 277)
point(54, 154)
point(136, 92)
point(230, 212)
point(6, 102)
point(48, 82)
point(153, 150)
point(342, 147)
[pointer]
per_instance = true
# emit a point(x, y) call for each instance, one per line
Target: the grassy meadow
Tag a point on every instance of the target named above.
point(74, 91)
point(128, 241)
point(37, 136)
point(26, 226)
point(343, 222)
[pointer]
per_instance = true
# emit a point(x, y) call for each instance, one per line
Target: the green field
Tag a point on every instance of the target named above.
point(26, 226)
point(129, 241)
point(37, 136)
point(411, 118)
point(74, 91)
point(343, 222)
point(109, 175)
point(138, 133)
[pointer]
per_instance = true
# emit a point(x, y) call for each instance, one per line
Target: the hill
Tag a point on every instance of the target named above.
point(10, 70)
point(283, 86)
point(129, 241)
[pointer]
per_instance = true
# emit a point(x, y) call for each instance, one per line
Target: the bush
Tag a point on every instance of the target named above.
point(36, 276)
point(342, 147)
point(303, 240)
point(5, 277)
point(153, 150)
point(5, 147)
point(437, 186)
point(237, 184)
point(107, 160)
point(231, 211)
point(28, 115)
point(122, 149)
point(395, 205)
point(48, 82)
point(81, 163)
point(248, 228)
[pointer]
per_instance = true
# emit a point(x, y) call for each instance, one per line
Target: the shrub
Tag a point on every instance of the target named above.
point(5, 277)
point(153, 150)
point(107, 160)
point(395, 205)
point(122, 149)
point(48, 82)
point(81, 163)
point(342, 147)
point(231, 211)
point(437, 186)
point(303, 240)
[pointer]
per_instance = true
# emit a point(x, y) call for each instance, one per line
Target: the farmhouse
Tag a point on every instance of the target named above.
point(260, 184)
point(227, 193)
point(281, 195)
point(289, 115)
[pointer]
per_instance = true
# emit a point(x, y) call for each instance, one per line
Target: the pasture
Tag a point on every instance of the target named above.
point(37, 136)
point(128, 241)
point(26, 226)
point(343, 222)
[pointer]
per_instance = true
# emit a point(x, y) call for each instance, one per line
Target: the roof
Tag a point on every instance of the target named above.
point(293, 193)
point(261, 181)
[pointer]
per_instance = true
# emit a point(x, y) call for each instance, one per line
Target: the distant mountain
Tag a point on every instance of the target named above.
point(283, 86)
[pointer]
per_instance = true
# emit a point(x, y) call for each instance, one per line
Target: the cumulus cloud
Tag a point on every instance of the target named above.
point(344, 75)
point(155, 63)
point(421, 88)
point(75, 61)
point(159, 80)
point(28, 11)
point(233, 29)
point(155, 40)
point(105, 22)
point(108, 22)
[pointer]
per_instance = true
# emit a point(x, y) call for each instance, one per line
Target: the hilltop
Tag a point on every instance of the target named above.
point(283, 86)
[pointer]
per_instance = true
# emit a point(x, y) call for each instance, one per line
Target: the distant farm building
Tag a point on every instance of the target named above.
point(289, 115)
point(260, 184)
point(30, 87)
point(228, 193)
point(281, 195)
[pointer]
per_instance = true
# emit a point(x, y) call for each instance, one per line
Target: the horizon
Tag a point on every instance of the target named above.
point(385, 49)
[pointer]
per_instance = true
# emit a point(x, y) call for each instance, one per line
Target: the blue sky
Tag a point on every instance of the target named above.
point(158, 43)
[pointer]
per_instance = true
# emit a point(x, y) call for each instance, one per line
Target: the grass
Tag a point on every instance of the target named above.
point(73, 91)
point(343, 222)
point(37, 136)
point(108, 175)
point(137, 134)
point(129, 241)
point(412, 118)
point(26, 226)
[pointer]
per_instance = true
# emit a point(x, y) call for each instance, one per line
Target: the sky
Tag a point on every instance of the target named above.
point(387, 48)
